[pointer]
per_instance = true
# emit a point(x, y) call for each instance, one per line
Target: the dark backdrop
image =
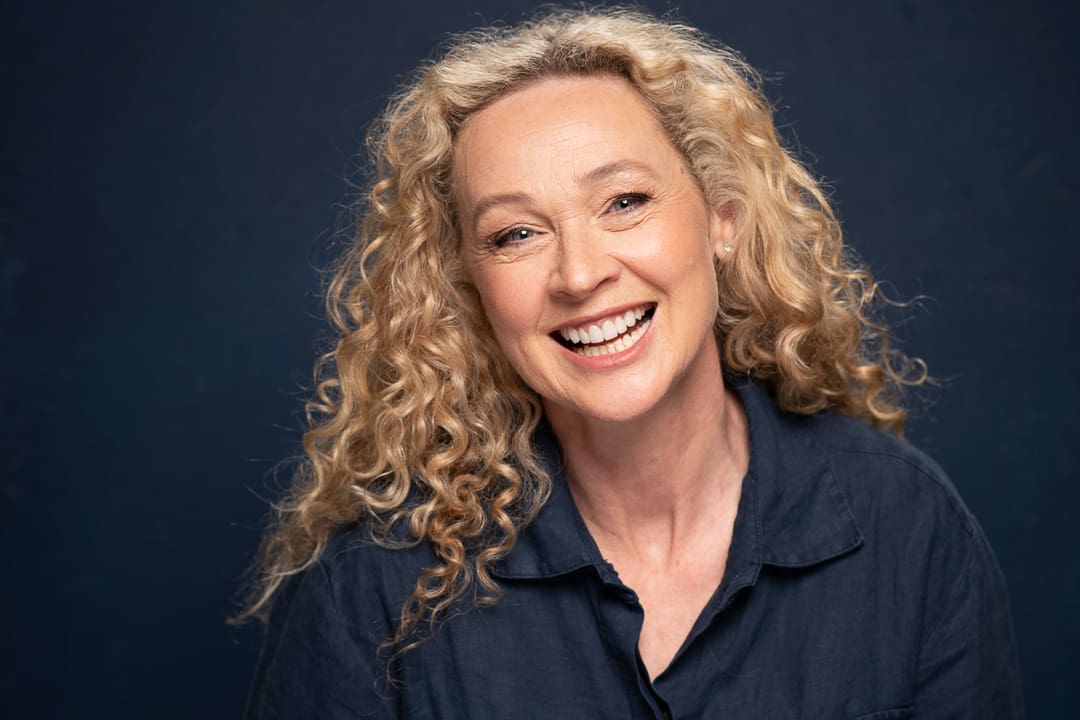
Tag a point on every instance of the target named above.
point(172, 175)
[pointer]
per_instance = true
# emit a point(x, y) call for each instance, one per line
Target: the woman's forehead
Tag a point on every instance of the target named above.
point(567, 128)
point(602, 102)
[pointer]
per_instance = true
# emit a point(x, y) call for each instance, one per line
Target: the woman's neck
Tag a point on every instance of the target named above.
point(653, 486)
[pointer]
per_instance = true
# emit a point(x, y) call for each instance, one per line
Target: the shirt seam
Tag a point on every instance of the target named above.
point(950, 495)
point(962, 580)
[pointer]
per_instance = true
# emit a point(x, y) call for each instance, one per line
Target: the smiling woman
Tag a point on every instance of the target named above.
point(609, 223)
point(602, 435)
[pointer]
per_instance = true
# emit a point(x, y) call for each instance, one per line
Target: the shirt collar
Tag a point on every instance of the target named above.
point(557, 541)
point(792, 511)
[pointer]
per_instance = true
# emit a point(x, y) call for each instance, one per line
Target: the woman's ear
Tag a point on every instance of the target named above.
point(722, 233)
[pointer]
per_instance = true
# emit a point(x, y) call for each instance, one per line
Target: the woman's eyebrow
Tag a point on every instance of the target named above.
point(617, 167)
point(487, 203)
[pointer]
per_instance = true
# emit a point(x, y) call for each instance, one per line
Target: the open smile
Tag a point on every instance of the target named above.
point(608, 335)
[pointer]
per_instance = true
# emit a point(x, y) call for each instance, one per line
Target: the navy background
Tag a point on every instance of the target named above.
point(172, 177)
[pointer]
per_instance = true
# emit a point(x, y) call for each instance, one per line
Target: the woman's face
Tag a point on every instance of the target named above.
point(590, 245)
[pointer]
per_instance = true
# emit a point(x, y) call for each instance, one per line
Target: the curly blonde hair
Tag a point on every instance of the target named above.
point(419, 427)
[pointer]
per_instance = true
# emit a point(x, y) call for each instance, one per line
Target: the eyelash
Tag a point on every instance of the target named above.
point(505, 237)
point(640, 198)
point(501, 239)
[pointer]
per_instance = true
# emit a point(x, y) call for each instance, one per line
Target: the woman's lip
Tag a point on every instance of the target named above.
point(600, 317)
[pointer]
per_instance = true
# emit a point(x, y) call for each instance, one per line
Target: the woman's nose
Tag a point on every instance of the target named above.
point(583, 261)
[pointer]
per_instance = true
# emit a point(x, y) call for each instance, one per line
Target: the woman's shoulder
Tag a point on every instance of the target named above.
point(882, 472)
point(323, 649)
point(922, 562)
point(838, 433)
point(360, 559)
point(357, 577)
point(910, 516)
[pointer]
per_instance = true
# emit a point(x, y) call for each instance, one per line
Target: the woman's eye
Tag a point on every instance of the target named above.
point(626, 203)
point(511, 236)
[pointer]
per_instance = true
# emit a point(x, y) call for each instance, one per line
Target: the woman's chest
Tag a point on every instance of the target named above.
point(569, 648)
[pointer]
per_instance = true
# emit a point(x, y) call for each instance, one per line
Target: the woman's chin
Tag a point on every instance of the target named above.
point(611, 407)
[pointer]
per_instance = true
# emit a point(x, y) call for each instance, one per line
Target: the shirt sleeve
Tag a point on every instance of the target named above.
point(316, 662)
point(968, 667)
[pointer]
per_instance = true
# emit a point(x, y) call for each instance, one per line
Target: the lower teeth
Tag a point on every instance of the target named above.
point(613, 346)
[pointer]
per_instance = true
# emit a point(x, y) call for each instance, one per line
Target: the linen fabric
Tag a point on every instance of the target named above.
point(858, 585)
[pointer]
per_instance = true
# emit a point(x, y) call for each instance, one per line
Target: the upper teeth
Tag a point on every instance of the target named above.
point(604, 330)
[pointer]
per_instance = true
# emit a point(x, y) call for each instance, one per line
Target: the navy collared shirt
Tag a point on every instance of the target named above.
point(857, 586)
